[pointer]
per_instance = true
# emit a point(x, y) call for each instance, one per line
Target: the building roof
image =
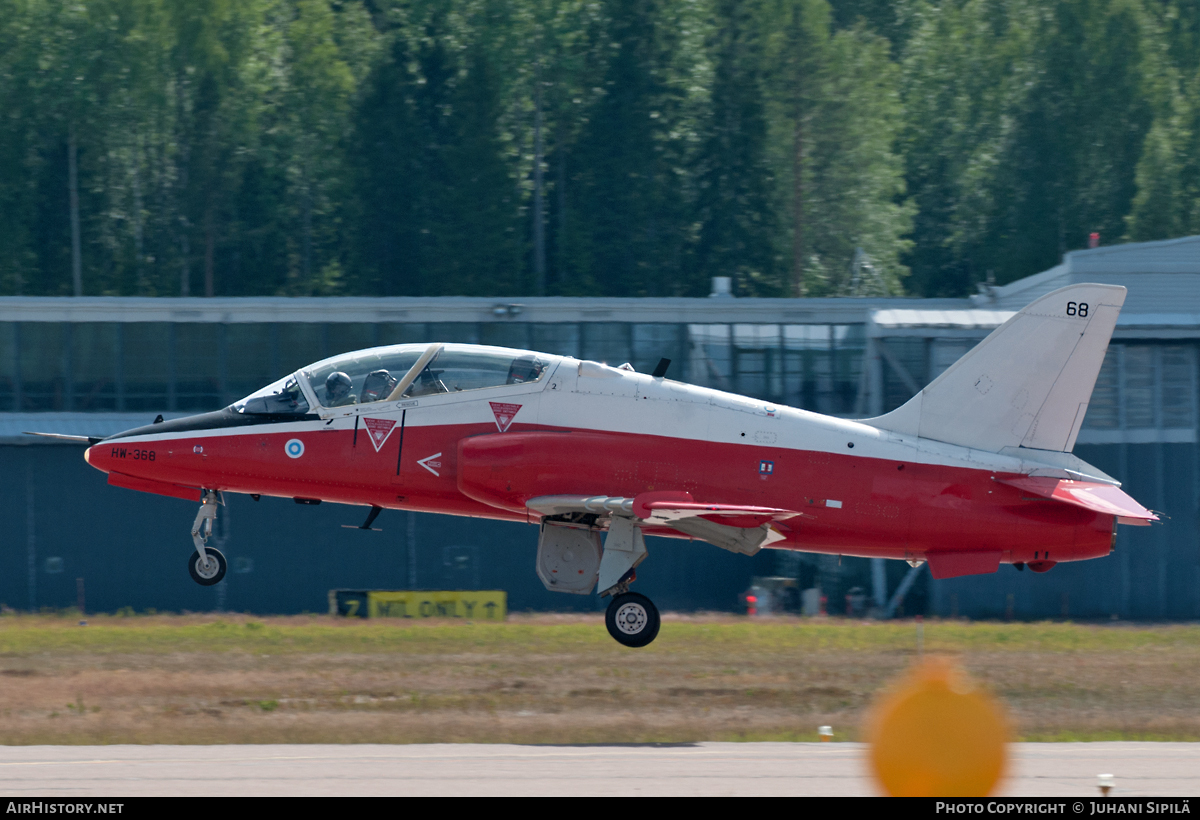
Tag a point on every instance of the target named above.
point(1163, 277)
point(449, 309)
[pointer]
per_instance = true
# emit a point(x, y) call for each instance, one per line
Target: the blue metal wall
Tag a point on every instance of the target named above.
point(63, 522)
point(1154, 574)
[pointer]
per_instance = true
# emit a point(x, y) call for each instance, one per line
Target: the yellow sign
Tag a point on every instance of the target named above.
point(937, 735)
point(471, 605)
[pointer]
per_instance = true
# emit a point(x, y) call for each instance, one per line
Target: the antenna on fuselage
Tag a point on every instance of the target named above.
point(660, 369)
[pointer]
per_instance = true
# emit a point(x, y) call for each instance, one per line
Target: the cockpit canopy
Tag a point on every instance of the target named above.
point(377, 374)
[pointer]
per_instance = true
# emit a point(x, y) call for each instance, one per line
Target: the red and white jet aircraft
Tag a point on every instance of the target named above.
point(976, 470)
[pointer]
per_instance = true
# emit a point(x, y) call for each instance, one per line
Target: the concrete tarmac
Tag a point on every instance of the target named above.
point(817, 769)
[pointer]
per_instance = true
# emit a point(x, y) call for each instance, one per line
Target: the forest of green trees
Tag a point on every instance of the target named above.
point(585, 147)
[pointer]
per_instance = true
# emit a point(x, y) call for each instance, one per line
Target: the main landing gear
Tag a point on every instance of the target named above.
point(632, 619)
point(571, 559)
point(207, 565)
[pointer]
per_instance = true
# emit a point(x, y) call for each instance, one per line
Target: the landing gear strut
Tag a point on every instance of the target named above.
point(207, 565)
point(632, 619)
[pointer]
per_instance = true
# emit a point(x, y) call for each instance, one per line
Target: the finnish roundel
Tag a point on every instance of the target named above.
point(294, 448)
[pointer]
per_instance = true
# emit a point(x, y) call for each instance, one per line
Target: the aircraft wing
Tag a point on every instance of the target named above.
point(738, 528)
point(1091, 495)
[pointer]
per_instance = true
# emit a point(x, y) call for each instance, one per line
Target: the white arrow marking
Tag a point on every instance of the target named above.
point(425, 462)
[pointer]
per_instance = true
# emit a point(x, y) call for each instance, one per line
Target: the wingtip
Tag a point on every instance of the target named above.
point(89, 440)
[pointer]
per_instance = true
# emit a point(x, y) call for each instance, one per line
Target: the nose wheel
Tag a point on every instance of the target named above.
point(208, 569)
point(632, 619)
point(207, 565)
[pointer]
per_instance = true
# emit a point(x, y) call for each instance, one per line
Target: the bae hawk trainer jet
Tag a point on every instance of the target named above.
point(974, 471)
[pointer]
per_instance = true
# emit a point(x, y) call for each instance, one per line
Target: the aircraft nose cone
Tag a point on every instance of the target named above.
point(97, 456)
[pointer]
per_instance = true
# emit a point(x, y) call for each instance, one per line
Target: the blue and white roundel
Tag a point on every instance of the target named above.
point(294, 448)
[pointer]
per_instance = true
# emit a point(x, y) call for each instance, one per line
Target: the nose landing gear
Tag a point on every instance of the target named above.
point(208, 570)
point(207, 565)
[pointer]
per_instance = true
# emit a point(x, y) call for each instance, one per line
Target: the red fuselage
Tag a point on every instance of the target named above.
point(852, 504)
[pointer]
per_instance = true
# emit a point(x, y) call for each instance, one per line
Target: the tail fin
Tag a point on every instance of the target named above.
point(1027, 384)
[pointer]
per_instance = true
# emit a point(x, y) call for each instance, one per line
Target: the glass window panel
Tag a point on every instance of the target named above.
point(753, 373)
point(399, 333)
point(909, 353)
point(366, 376)
point(1139, 386)
point(793, 378)
point(284, 397)
point(8, 366)
point(946, 352)
point(559, 339)
point(351, 379)
point(711, 364)
point(1178, 386)
point(43, 365)
point(300, 344)
point(818, 379)
point(94, 352)
point(607, 342)
point(807, 337)
point(448, 332)
point(805, 364)
point(197, 366)
point(755, 337)
point(755, 349)
point(849, 342)
point(505, 334)
point(145, 365)
point(1103, 409)
point(455, 370)
point(652, 342)
point(248, 366)
point(347, 337)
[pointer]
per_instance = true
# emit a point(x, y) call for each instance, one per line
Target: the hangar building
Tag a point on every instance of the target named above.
point(99, 365)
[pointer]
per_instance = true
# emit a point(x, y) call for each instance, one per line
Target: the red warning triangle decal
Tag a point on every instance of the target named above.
point(379, 430)
point(504, 413)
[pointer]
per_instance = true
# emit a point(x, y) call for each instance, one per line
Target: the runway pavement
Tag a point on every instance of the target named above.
point(1038, 769)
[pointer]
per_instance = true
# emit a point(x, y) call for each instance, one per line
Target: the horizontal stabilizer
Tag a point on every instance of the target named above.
point(1027, 384)
point(1102, 498)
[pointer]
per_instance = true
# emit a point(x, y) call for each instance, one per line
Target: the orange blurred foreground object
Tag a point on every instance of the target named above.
point(937, 735)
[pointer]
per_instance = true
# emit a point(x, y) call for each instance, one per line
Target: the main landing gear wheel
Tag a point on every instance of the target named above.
point(632, 619)
point(207, 573)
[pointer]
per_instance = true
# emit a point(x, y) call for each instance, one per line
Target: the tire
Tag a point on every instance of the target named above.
point(205, 576)
point(632, 619)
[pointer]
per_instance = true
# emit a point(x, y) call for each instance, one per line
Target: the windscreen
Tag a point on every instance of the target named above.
point(283, 397)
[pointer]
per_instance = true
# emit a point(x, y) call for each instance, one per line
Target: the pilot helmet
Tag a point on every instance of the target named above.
point(378, 386)
point(337, 387)
point(525, 369)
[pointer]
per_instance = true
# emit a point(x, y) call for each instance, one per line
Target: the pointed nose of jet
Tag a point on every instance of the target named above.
point(100, 456)
point(131, 453)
